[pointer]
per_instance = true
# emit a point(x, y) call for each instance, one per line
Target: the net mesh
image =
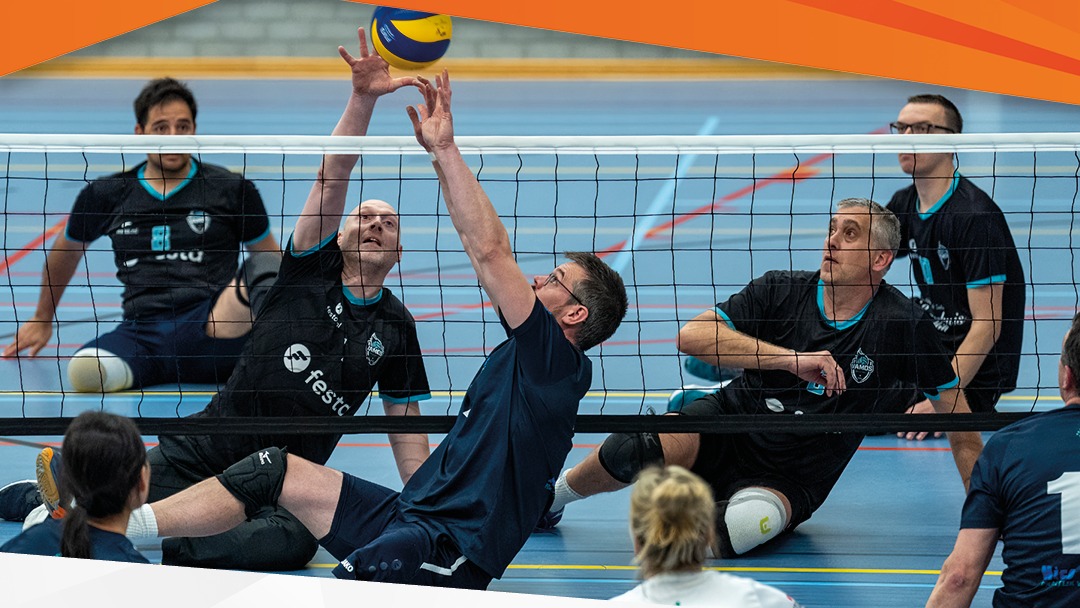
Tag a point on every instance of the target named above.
point(688, 221)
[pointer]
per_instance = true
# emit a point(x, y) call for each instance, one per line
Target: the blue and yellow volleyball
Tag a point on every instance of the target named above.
point(410, 40)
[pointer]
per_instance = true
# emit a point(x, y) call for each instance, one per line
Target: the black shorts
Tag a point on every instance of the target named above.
point(730, 462)
point(374, 543)
point(979, 399)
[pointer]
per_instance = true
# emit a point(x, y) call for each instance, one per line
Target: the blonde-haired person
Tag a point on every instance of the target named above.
point(671, 521)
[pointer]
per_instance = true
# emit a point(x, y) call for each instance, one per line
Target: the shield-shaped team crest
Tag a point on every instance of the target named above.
point(375, 349)
point(198, 221)
point(861, 367)
point(943, 254)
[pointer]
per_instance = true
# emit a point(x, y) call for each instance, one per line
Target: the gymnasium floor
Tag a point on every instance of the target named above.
point(888, 525)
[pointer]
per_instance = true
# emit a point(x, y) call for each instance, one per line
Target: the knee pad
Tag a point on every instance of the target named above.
point(257, 272)
point(750, 518)
point(256, 480)
point(93, 370)
point(624, 455)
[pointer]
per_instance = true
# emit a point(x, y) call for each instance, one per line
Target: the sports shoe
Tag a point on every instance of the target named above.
point(48, 472)
point(18, 499)
point(548, 521)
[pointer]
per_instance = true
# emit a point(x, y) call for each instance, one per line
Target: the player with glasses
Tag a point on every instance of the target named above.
point(964, 260)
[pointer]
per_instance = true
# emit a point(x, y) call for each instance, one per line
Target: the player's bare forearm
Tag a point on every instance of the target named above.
point(708, 337)
point(966, 445)
point(963, 570)
point(410, 450)
point(973, 350)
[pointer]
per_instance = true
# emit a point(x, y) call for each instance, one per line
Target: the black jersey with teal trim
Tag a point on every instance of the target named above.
point(489, 481)
point(963, 242)
point(890, 340)
point(1026, 483)
point(174, 251)
point(315, 350)
point(44, 539)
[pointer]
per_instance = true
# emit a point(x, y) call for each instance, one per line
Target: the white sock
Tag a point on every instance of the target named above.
point(142, 524)
point(93, 370)
point(38, 515)
point(564, 494)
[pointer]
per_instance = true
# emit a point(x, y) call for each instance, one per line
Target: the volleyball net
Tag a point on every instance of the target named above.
point(687, 221)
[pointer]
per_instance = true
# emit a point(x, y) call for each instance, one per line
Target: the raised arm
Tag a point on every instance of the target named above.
point(482, 232)
point(60, 266)
point(325, 204)
point(709, 338)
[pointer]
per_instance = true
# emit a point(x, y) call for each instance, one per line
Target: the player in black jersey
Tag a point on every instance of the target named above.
point(1025, 491)
point(964, 260)
point(471, 506)
point(828, 342)
point(176, 227)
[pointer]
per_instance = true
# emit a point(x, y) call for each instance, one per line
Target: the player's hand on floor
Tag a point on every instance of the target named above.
point(922, 407)
point(33, 335)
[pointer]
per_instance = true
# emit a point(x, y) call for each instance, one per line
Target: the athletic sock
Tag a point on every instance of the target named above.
point(142, 524)
point(564, 494)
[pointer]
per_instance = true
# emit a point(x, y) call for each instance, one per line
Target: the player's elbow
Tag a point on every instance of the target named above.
point(490, 248)
point(959, 579)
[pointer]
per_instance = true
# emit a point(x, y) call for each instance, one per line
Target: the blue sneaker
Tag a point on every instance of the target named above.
point(18, 499)
point(548, 521)
point(48, 472)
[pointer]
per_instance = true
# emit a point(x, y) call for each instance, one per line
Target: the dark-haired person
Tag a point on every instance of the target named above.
point(964, 260)
point(1025, 492)
point(672, 515)
point(470, 507)
point(107, 475)
point(834, 341)
point(176, 226)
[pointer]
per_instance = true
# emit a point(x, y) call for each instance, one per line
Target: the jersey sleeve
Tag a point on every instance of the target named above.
point(982, 249)
point(747, 310)
point(89, 216)
point(933, 371)
point(405, 378)
point(983, 507)
point(255, 225)
point(544, 353)
point(321, 262)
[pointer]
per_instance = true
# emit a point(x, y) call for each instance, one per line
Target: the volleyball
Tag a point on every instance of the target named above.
point(410, 40)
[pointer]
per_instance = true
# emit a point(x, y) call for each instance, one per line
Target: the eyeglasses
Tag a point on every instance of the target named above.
point(918, 128)
point(554, 279)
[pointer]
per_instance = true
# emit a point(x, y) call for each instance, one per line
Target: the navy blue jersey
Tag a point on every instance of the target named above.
point(1026, 483)
point(490, 480)
point(315, 350)
point(963, 242)
point(890, 340)
point(44, 539)
point(173, 251)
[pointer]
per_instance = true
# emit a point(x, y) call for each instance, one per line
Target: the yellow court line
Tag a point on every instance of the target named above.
point(308, 68)
point(719, 569)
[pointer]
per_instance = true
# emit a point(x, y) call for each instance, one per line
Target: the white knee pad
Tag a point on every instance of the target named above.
point(753, 517)
point(93, 370)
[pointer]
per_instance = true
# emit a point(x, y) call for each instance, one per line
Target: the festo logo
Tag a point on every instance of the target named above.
point(297, 358)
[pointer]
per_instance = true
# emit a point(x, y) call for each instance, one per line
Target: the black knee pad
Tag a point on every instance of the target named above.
point(258, 272)
point(624, 455)
point(256, 480)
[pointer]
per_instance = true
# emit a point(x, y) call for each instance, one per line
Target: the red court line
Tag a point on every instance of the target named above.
point(32, 245)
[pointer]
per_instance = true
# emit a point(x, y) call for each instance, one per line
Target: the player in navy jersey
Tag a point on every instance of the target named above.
point(1025, 491)
point(176, 227)
point(470, 507)
point(827, 342)
point(963, 259)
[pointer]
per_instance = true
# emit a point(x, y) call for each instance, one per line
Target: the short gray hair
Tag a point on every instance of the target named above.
point(884, 227)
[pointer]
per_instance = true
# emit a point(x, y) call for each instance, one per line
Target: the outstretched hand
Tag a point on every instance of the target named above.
point(33, 335)
point(820, 368)
point(432, 122)
point(371, 73)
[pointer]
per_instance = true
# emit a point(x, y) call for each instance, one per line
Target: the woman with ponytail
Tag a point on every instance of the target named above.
point(671, 521)
point(106, 475)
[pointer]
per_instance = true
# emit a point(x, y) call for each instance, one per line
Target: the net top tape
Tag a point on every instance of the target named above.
point(642, 145)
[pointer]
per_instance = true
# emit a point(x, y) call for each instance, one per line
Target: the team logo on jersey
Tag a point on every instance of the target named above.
point(127, 229)
point(198, 221)
point(297, 358)
point(339, 308)
point(861, 367)
point(375, 349)
point(943, 254)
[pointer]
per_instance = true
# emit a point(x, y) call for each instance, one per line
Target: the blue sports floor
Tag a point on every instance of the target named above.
point(890, 522)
